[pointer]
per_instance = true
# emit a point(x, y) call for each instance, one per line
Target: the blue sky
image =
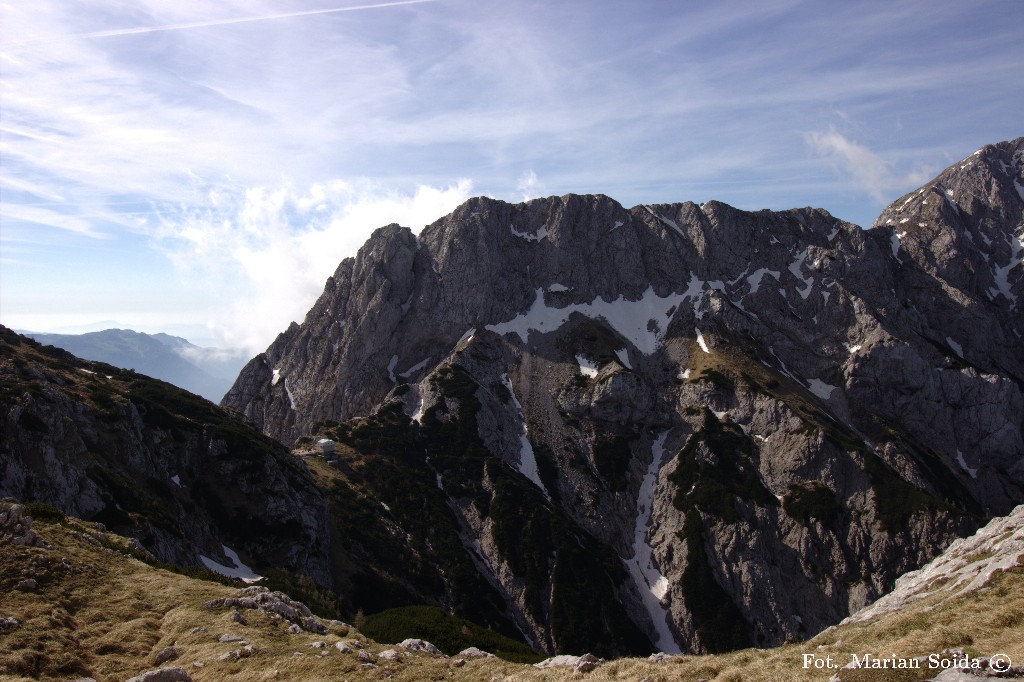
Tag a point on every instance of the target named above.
point(201, 167)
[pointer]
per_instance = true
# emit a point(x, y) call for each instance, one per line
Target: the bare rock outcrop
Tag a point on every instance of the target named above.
point(751, 422)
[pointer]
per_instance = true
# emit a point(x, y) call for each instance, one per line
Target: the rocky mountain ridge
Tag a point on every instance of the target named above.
point(750, 422)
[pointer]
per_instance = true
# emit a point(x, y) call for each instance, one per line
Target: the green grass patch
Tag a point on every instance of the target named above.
point(714, 488)
point(811, 500)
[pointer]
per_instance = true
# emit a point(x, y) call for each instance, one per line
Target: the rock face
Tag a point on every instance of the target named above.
point(966, 566)
point(153, 462)
point(709, 426)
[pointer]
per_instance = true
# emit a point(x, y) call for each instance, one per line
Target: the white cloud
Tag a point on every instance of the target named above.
point(40, 215)
point(529, 186)
point(268, 251)
point(868, 171)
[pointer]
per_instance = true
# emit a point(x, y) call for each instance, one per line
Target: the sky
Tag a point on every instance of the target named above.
point(200, 167)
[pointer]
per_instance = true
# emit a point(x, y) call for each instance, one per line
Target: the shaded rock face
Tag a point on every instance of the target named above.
point(154, 462)
point(965, 566)
point(752, 423)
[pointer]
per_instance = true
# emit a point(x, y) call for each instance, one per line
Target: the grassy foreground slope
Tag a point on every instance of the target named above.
point(83, 606)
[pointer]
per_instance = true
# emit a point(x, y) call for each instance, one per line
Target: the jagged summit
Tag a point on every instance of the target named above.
point(779, 411)
point(967, 225)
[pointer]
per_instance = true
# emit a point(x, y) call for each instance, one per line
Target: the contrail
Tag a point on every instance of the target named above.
point(219, 22)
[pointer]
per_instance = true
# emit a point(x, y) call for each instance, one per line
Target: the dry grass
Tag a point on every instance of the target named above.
point(112, 614)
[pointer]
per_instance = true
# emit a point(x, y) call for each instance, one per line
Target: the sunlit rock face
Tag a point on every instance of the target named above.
point(744, 425)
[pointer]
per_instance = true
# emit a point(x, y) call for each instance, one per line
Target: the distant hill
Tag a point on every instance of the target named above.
point(208, 372)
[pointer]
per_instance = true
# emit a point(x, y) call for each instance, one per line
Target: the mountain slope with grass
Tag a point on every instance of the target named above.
point(79, 602)
point(193, 484)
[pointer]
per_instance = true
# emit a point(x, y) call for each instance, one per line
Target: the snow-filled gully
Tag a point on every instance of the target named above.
point(651, 584)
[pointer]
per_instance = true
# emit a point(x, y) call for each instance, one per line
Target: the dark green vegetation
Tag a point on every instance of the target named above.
point(569, 578)
point(714, 484)
point(811, 500)
point(122, 437)
point(715, 480)
point(897, 500)
point(720, 625)
point(612, 454)
point(408, 552)
point(448, 633)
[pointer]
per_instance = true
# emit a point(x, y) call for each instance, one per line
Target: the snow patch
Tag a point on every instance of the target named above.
point(176, 480)
point(651, 584)
point(415, 368)
point(700, 341)
point(638, 321)
point(685, 374)
point(391, 368)
point(1000, 275)
point(617, 225)
point(418, 415)
point(465, 337)
point(587, 367)
point(795, 268)
point(541, 233)
point(527, 458)
point(820, 388)
point(754, 279)
point(957, 348)
point(973, 473)
point(556, 287)
point(950, 199)
point(237, 570)
point(276, 378)
point(667, 221)
point(894, 244)
point(852, 349)
point(832, 235)
point(288, 391)
point(407, 304)
point(623, 355)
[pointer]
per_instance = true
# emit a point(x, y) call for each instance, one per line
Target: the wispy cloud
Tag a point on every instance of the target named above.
point(273, 248)
point(112, 33)
point(866, 169)
point(192, 125)
point(78, 224)
point(530, 186)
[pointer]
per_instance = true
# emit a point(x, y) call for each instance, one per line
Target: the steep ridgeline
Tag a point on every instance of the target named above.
point(194, 484)
point(711, 426)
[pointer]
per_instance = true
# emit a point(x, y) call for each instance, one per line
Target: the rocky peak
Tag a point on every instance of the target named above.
point(774, 410)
